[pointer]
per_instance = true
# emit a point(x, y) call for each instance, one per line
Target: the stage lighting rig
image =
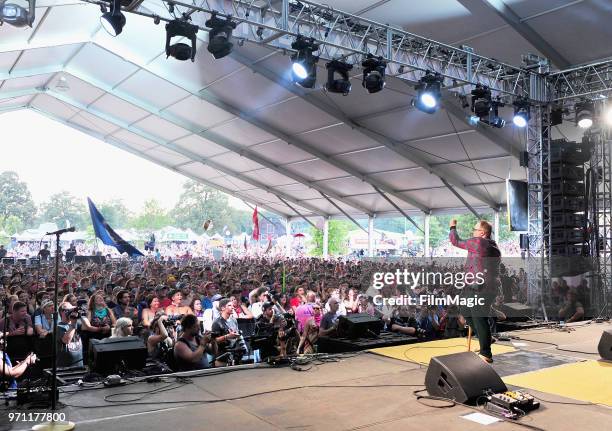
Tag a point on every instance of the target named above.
point(17, 15)
point(113, 21)
point(485, 108)
point(304, 63)
point(181, 51)
point(585, 112)
point(341, 85)
point(220, 35)
point(373, 73)
point(522, 112)
point(428, 93)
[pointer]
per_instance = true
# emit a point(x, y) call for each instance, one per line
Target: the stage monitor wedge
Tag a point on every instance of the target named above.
point(517, 193)
point(462, 377)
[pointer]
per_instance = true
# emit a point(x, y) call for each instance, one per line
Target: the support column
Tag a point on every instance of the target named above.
point(496, 226)
point(325, 238)
point(426, 239)
point(289, 238)
point(370, 236)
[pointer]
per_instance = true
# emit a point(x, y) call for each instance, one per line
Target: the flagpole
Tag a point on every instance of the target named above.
point(284, 280)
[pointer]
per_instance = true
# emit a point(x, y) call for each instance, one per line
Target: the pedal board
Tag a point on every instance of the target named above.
point(517, 402)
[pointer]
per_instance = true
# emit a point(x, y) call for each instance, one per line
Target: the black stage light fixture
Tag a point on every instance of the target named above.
point(373, 73)
point(585, 112)
point(522, 112)
point(304, 63)
point(481, 102)
point(220, 35)
point(113, 21)
point(181, 28)
point(341, 85)
point(485, 108)
point(17, 15)
point(428, 93)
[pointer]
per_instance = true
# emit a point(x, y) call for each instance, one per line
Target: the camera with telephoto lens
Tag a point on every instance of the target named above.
point(77, 313)
point(239, 344)
point(173, 320)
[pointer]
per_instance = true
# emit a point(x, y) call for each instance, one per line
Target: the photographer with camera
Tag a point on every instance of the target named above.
point(226, 329)
point(13, 371)
point(162, 337)
point(70, 347)
point(402, 320)
point(273, 326)
point(191, 348)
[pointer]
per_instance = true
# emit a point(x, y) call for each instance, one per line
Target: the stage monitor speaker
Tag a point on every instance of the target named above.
point(517, 312)
point(360, 325)
point(112, 354)
point(605, 345)
point(462, 377)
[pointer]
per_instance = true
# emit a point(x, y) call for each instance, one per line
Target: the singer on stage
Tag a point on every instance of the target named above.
point(484, 257)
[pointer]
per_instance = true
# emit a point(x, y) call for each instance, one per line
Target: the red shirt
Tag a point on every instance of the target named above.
point(163, 303)
point(296, 301)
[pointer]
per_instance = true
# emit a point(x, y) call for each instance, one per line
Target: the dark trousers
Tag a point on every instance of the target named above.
point(478, 319)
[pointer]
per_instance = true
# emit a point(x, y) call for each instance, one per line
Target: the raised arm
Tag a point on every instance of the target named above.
point(454, 236)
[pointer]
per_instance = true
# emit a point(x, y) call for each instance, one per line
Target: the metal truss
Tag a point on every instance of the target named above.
point(341, 35)
point(591, 80)
point(539, 208)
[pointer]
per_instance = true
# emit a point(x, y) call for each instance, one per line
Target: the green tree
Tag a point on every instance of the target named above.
point(15, 199)
point(338, 238)
point(199, 203)
point(153, 216)
point(115, 212)
point(12, 225)
point(63, 207)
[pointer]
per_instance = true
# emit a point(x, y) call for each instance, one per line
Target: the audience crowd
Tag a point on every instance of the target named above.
point(200, 313)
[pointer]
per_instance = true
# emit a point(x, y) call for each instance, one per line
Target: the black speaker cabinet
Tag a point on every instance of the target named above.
point(360, 325)
point(605, 345)
point(111, 354)
point(517, 312)
point(462, 377)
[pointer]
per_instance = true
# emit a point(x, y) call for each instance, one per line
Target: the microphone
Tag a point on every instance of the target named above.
point(61, 231)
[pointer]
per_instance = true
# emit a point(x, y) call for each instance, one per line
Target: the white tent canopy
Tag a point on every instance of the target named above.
point(260, 138)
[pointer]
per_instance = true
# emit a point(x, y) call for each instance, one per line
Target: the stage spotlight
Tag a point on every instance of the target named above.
point(341, 85)
point(585, 110)
point(219, 44)
point(522, 112)
point(428, 93)
point(16, 15)
point(304, 64)
point(181, 51)
point(113, 21)
point(373, 73)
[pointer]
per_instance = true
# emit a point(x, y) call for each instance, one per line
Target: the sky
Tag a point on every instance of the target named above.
point(51, 157)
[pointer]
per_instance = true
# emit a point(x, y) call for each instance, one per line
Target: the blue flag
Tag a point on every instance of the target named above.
point(107, 235)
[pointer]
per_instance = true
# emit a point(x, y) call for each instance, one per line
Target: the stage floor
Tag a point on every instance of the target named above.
point(360, 392)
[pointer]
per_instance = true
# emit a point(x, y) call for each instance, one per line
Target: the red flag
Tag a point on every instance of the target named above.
point(255, 225)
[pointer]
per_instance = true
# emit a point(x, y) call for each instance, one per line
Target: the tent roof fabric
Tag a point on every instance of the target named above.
point(260, 138)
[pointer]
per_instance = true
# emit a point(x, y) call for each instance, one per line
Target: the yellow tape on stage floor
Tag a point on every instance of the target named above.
point(585, 381)
point(423, 352)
